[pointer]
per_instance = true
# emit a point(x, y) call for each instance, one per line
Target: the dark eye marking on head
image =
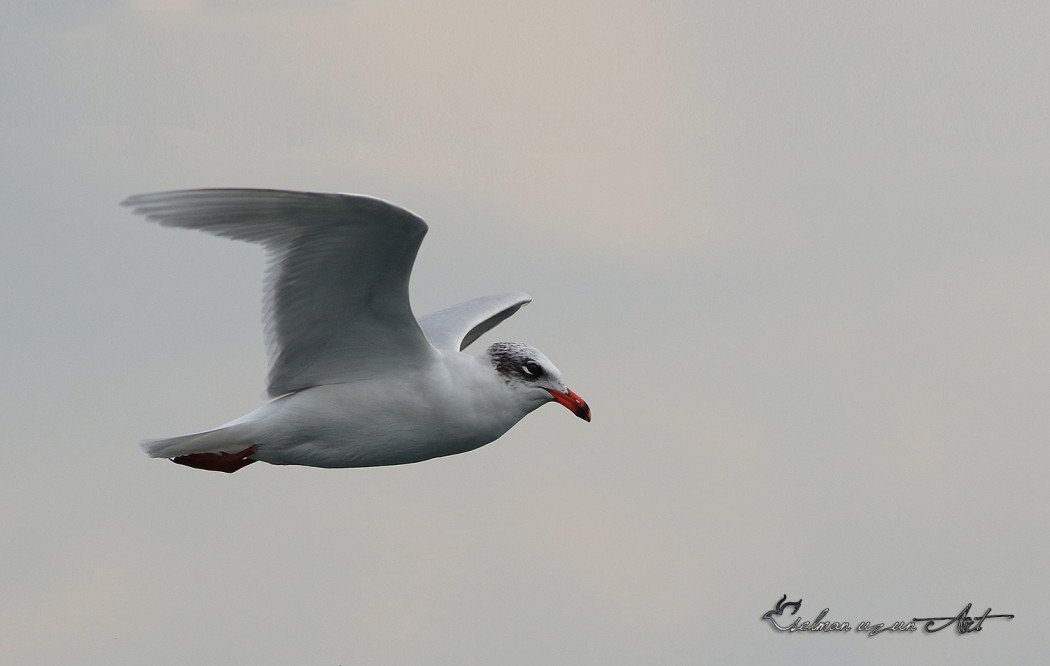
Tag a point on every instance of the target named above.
point(531, 370)
point(513, 359)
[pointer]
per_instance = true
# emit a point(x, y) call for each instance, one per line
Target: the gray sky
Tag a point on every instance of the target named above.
point(794, 256)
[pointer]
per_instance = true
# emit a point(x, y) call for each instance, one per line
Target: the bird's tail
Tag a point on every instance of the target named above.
point(226, 439)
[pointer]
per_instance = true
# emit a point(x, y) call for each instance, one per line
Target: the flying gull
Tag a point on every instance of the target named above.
point(355, 379)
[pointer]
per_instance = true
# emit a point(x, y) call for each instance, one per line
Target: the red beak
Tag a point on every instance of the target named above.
point(573, 402)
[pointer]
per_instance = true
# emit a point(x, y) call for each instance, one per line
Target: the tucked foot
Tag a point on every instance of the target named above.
point(217, 462)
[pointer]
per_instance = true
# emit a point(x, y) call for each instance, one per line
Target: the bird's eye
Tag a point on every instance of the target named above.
point(532, 370)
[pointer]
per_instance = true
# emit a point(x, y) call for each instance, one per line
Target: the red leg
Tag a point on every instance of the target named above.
point(217, 462)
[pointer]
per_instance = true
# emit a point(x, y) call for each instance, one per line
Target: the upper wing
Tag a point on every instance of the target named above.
point(337, 284)
point(452, 329)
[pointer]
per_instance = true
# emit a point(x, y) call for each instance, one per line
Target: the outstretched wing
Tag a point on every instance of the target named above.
point(336, 293)
point(452, 329)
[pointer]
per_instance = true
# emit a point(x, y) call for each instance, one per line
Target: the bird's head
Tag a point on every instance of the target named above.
point(526, 369)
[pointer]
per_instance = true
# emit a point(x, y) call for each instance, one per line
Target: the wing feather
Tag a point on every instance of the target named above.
point(452, 329)
point(336, 291)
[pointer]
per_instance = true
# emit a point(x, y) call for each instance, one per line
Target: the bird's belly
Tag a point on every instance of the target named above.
point(346, 426)
point(362, 450)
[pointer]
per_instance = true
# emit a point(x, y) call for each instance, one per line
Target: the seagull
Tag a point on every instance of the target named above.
point(355, 380)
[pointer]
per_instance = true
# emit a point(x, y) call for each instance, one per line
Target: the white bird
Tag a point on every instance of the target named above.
point(355, 379)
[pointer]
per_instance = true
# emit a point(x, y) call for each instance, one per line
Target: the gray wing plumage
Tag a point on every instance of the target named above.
point(336, 296)
point(452, 329)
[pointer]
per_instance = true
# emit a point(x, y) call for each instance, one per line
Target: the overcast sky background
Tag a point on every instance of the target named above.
point(793, 254)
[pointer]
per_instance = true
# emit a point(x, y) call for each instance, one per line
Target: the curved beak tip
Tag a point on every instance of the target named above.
point(573, 403)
